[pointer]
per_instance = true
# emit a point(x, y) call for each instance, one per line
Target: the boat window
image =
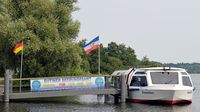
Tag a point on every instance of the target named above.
point(186, 81)
point(140, 73)
point(118, 73)
point(139, 81)
point(183, 73)
point(164, 77)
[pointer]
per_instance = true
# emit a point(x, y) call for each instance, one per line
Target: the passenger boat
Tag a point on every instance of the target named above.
point(158, 85)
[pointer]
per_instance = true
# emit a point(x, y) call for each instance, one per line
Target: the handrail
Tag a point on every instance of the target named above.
point(114, 80)
point(53, 77)
point(35, 78)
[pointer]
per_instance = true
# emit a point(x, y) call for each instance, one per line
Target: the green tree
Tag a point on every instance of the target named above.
point(113, 57)
point(52, 31)
point(113, 63)
point(145, 62)
point(85, 65)
point(125, 54)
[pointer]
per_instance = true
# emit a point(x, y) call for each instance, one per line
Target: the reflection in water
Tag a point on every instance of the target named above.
point(160, 108)
point(183, 108)
point(88, 103)
point(5, 107)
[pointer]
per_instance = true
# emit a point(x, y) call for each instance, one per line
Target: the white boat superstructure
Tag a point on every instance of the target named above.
point(159, 85)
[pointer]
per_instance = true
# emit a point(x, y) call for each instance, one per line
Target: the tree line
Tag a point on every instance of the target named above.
point(190, 67)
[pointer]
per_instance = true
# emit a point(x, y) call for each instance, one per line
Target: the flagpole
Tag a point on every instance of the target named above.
point(22, 53)
point(99, 60)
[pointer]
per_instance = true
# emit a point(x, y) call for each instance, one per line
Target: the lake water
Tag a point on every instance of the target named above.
point(90, 103)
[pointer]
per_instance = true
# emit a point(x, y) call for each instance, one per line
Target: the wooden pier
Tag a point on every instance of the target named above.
point(116, 88)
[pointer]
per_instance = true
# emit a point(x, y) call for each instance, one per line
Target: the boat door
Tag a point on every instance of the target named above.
point(138, 80)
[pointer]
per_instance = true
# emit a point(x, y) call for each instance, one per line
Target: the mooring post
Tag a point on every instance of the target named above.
point(123, 89)
point(11, 81)
point(6, 86)
point(107, 85)
point(116, 98)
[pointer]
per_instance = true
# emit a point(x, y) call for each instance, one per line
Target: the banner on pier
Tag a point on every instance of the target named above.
point(67, 83)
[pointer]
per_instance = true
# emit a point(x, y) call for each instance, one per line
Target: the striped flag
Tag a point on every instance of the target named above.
point(18, 47)
point(92, 45)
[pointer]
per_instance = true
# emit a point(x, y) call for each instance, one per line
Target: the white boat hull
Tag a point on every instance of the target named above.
point(161, 95)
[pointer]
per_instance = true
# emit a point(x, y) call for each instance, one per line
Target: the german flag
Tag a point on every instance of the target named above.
point(18, 47)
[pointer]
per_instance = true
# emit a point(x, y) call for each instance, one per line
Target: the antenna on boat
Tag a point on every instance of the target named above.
point(165, 68)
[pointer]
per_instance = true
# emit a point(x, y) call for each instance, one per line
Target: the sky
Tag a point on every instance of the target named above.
point(166, 31)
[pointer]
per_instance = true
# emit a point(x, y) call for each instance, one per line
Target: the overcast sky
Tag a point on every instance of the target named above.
point(163, 30)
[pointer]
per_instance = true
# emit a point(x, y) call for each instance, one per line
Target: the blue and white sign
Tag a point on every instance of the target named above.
point(67, 83)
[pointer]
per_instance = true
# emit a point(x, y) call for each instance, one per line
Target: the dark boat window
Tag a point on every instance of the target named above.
point(164, 77)
point(140, 73)
point(186, 81)
point(139, 81)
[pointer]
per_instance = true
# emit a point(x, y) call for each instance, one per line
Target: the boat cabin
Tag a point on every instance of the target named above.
point(151, 77)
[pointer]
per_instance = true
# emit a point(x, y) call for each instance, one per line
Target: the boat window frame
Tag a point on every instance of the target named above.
point(191, 84)
point(140, 73)
point(184, 73)
point(140, 84)
point(151, 82)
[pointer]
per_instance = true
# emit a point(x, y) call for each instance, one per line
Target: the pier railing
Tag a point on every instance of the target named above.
point(114, 85)
point(14, 84)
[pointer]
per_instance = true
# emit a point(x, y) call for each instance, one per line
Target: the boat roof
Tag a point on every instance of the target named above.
point(118, 72)
point(161, 68)
point(125, 72)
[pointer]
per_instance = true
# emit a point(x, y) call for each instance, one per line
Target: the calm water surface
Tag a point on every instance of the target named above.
point(90, 103)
